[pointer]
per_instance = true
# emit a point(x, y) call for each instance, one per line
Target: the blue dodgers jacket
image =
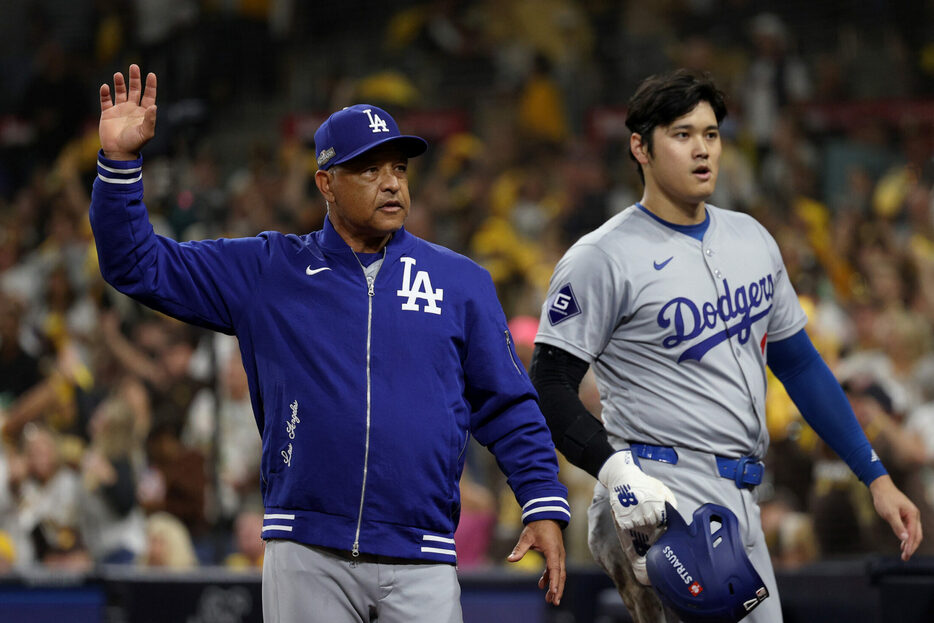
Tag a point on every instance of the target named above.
point(364, 392)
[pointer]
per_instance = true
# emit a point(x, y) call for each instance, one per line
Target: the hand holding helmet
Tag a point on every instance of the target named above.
point(638, 502)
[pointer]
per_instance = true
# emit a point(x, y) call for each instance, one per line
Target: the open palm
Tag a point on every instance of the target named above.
point(129, 120)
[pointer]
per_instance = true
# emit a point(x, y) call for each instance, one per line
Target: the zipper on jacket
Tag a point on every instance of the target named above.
point(509, 351)
point(370, 290)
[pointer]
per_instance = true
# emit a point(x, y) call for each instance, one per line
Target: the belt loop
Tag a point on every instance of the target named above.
point(740, 476)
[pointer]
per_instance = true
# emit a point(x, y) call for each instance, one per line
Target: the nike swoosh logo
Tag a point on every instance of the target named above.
point(661, 265)
point(310, 272)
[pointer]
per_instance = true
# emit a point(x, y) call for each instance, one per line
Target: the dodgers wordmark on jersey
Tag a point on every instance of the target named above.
point(676, 329)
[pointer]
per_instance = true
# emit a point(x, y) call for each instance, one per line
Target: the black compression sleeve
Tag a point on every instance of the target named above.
point(577, 434)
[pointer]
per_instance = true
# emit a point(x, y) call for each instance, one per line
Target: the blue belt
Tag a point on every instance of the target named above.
point(746, 471)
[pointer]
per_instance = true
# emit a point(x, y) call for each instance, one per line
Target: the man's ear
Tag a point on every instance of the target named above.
point(323, 182)
point(639, 149)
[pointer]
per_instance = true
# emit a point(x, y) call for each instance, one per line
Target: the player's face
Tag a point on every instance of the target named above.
point(685, 158)
point(368, 197)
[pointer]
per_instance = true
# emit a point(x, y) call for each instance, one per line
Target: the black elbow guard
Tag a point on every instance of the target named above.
point(577, 434)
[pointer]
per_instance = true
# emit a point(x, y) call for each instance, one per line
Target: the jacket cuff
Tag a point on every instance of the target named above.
point(122, 175)
point(549, 507)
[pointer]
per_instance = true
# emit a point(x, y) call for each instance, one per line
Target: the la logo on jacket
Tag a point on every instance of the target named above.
point(421, 289)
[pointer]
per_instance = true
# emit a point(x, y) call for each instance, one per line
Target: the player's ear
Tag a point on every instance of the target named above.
point(323, 182)
point(638, 148)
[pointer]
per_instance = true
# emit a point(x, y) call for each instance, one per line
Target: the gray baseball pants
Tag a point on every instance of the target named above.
point(311, 585)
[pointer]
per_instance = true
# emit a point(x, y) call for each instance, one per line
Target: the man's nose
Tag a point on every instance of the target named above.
point(388, 179)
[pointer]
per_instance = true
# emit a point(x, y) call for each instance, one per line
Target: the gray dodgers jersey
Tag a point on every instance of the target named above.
point(675, 329)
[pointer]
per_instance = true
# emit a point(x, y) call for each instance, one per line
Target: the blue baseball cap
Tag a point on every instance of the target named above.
point(357, 129)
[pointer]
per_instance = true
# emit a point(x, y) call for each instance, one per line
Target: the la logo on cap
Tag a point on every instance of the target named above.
point(376, 123)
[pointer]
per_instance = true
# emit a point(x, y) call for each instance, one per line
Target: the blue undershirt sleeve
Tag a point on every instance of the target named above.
point(820, 399)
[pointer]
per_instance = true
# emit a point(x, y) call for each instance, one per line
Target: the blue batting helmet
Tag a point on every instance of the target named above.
point(701, 571)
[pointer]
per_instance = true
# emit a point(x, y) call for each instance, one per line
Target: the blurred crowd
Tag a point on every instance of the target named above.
point(128, 438)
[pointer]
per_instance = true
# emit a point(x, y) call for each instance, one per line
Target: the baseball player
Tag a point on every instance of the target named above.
point(678, 306)
point(372, 355)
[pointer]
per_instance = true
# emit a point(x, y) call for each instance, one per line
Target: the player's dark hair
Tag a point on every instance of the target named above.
point(661, 99)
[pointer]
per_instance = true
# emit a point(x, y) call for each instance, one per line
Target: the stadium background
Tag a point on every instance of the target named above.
point(829, 142)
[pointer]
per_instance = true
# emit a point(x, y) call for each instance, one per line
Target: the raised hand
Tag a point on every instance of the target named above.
point(129, 120)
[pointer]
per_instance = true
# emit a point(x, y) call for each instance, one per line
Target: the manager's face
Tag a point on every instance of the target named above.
point(368, 196)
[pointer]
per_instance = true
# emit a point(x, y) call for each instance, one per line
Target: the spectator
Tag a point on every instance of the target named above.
point(541, 116)
point(19, 369)
point(788, 168)
point(50, 498)
point(7, 553)
point(901, 449)
point(12, 474)
point(225, 418)
point(161, 356)
point(775, 81)
point(168, 544)
point(175, 480)
point(248, 542)
point(789, 532)
point(113, 521)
